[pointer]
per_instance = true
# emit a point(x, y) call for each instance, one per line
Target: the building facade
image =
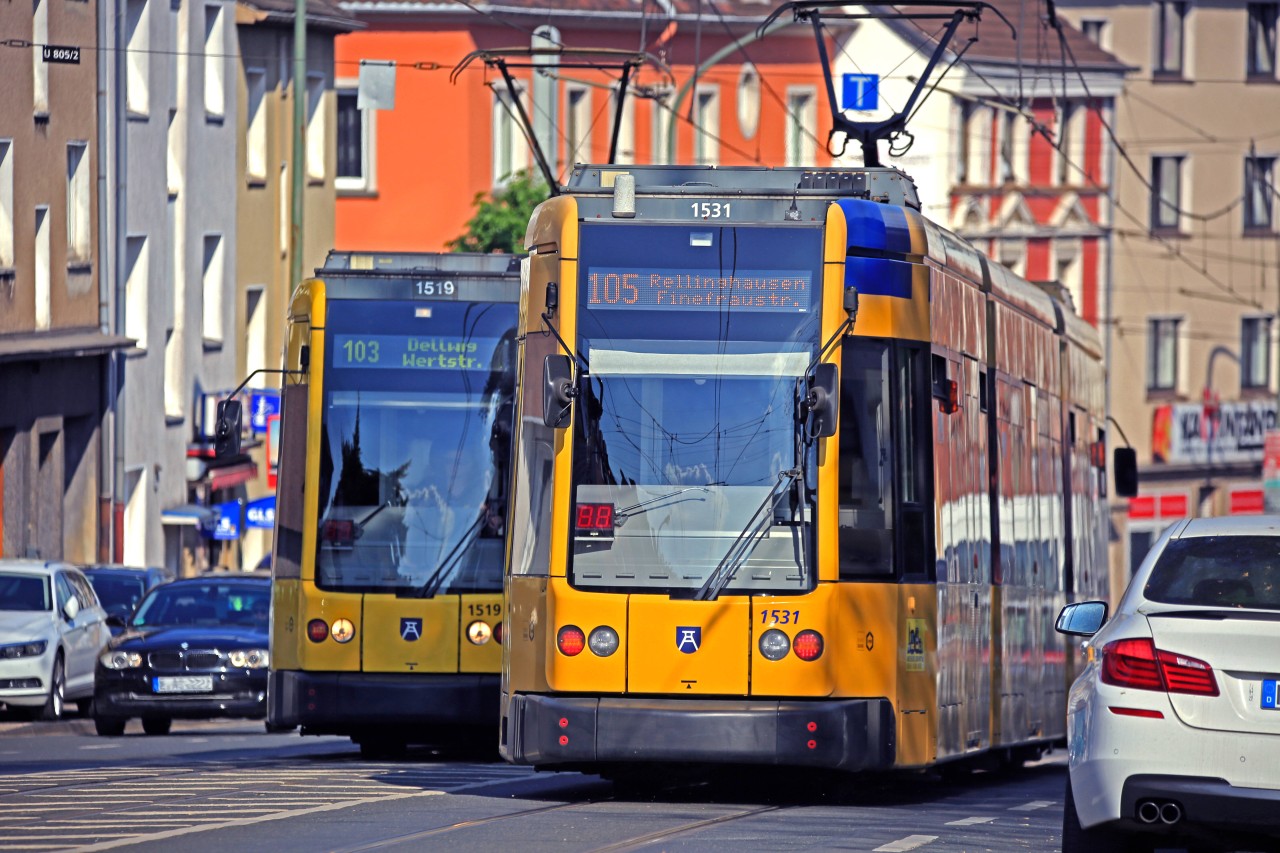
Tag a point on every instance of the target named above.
point(55, 352)
point(1196, 255)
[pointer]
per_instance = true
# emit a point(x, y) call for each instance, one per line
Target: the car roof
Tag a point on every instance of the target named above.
point(1232, 525)
point(248, 577)
point(33, 567)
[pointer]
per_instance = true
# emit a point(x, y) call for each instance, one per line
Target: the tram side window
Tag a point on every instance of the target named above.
point(912, 400)
point(866, 474)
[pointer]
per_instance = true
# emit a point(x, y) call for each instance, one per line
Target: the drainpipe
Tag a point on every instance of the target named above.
point(120, 158)
point(299, 165)
point(714, 59)
point(102, 545)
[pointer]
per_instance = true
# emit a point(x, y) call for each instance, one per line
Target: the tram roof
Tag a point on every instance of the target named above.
point(365, 264)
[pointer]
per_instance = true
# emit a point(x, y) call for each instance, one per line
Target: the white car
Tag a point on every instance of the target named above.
point(1173, 727)
point(51, 630)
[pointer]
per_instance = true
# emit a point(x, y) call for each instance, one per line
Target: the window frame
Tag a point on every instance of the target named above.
point(802, 111)
point(1158, 219)
point(366, 182)
point(1162, 328)
point(1163, 64)
point(1249, 344)
point(1261, 16)
point(1253, 223)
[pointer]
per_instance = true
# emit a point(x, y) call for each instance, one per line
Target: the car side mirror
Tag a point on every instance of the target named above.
point(1082, 619)
point(557, 390)
point(226, 432)
point(823, 400)
point(115, 620)
point(71, 609)
point(1124, 461)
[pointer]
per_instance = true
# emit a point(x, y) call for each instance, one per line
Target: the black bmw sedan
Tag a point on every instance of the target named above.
point(194, 648)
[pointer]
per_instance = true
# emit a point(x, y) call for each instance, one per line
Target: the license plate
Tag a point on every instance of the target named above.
point(1269, 694)
point(182, 684)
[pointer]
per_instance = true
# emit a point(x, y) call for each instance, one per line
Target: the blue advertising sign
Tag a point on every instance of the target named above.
point(261, 513)
point(262, 404)
point(861, 92)
point(227, 525)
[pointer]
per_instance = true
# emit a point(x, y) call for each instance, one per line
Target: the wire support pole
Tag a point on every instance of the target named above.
point(297, 167)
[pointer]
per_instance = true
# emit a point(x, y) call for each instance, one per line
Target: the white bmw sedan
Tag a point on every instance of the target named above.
point(1173, 727)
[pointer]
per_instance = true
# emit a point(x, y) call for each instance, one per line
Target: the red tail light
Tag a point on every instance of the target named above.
point(317, 631)
point(807, 645)
point(1137, 663)
point(571, 640)
point(497, 633)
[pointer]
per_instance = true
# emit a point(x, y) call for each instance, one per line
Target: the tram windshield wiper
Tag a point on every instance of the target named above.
point(644, 506)
point(745, 542)
point(429, 587)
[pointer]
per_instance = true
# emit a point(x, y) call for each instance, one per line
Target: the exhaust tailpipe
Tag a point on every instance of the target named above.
point(1148, 811)
point(1170, 813)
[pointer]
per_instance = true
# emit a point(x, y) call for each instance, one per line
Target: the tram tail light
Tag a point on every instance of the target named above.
point(571, 641)
point(498, 633)
point(807, 645)
point(317, 631)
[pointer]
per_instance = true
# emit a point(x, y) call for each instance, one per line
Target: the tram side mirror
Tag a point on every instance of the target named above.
point(1082, 619)
point(226, 432)
point(1124, 461)
point(851, 307)
point(557, 390)
point(824, 400)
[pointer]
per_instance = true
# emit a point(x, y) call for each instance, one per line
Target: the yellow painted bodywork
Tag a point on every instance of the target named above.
point(721, 665)
point(485, 608)
point(585, 671)
point(329, 655)
point(386, 651)
point(792, 676)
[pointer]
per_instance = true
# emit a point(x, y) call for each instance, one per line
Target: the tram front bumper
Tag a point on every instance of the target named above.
point(346, 702)
point(845, 734)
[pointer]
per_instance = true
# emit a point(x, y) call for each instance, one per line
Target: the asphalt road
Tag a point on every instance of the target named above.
point(229, 786)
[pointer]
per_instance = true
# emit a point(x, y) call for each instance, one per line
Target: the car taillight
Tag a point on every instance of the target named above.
point(807, 645)
point(571, 640)
point(317, 631)
point(1138, 664)
point(1183, 674)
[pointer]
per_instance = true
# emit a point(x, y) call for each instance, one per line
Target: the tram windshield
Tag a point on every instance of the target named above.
point(690, 466)
point(415, 446)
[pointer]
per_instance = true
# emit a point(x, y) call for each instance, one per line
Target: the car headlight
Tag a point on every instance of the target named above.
point(249, 658)
point(120, 660)
point(24, 650)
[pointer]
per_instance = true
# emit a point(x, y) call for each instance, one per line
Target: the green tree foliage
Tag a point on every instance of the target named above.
point(500, 220)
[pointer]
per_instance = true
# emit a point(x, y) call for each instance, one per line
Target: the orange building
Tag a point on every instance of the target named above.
point(409, 176)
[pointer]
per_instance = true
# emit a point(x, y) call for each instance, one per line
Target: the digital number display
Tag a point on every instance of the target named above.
point(413, 352)
point(685, 289)
point(595, 519)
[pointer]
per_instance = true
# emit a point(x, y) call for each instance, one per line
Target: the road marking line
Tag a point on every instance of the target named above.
point(911, 842)
point(1032, 806)
point(101, 746)
point(249, 821)
point(970, 821)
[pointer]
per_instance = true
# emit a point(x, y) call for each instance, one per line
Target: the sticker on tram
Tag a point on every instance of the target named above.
point(915, 645)
point(410, 629)
point(688, 640)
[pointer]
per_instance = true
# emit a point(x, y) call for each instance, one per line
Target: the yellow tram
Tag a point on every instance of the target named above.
point(799, 478)
point(391, 500)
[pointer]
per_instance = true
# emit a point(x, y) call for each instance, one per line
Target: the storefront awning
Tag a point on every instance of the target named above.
point(188, 515)
point(232, 475)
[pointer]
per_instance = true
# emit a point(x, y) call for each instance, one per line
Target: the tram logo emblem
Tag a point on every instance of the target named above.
point(688, 639)
point(410, 629)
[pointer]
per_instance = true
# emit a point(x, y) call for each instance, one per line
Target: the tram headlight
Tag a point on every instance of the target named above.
point(479, 632)
point(248, 658)
point(603, 641)
point(120, 660)
point(774, 644)
point(343, 630)
point(570, 640)
point(808, 645)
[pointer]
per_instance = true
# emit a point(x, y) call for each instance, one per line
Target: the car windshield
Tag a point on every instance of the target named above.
point(24, 592)
point(206, 603)
point(1218, 571)
point(119, 593)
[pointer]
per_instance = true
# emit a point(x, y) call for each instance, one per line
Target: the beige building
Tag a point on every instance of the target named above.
point(55, 359)
point(1195, 281)
point(265, 91)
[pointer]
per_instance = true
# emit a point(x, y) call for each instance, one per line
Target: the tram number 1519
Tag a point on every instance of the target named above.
point(424, 287)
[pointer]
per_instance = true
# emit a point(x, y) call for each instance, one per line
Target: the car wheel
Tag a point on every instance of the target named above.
point(156, 725)
point(1077, 839)
point(56, 703)
point(109, 726)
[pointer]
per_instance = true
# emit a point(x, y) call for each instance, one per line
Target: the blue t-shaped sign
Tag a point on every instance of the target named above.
point(861, 91)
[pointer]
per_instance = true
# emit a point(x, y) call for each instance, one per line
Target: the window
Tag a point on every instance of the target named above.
point(1259, 192)
point(43, 271)
point(661, 113)
point(255, 164)
point(214, 287)
point(40, 68)
point(1096, 31)
point(1261, 50)
point(1162, 353)
point(215, 63)
point(1070, 156)
point(6, 204)
point(174, 396)
point(316, 130)
point(355, 143)
point(626, 150)
point(706, 120)
point(1068, 267)
point(748, 101)
point(1013, 254)
point(173, 156)
point(137, 293)
point(138, 37)
point(1170, 22)
point(79, 245)
point(802, 117)
point(1008, 147)
point(510, 151)
point(1166, 193)
point(255, 314)
point(577, 125)
point(964, 118)
point(1255, 352)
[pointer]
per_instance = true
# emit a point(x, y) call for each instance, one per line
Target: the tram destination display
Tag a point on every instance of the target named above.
point(684, 289)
